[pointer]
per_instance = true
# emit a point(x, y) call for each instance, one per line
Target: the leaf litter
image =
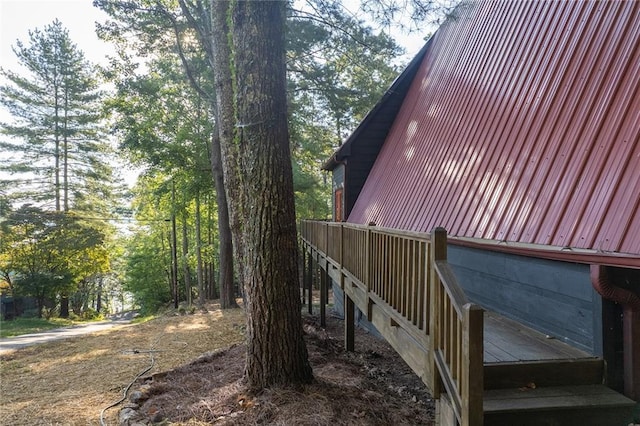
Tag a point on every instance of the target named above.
point(198, 362)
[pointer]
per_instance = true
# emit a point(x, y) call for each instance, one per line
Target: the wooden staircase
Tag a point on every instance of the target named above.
point(563, 387)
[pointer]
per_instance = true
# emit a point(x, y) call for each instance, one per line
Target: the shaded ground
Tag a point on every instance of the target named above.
point(72, 381)
point(371, 386)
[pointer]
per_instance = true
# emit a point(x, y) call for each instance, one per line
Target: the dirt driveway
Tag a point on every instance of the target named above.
point(19, 342)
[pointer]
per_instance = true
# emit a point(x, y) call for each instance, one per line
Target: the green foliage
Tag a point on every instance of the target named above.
point(146, 272)
point(56, 146)
point(91, 314)
point(338, 70)
point(46, 253)
point(60, 171)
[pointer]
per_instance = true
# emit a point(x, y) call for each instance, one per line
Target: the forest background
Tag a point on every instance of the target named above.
point(143, 227)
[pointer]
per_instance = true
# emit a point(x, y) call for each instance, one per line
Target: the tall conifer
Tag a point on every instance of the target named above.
point(56, 149)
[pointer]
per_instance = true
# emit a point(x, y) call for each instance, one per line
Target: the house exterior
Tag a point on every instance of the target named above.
point(517, 129)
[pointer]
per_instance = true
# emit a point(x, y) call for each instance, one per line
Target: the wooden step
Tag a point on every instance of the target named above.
point(585, 371)
point(557, 406)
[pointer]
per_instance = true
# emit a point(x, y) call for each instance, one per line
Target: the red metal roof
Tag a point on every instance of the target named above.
point(521, 125)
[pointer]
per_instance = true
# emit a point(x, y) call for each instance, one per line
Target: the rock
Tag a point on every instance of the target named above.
point(126, 416)
point(136, 396)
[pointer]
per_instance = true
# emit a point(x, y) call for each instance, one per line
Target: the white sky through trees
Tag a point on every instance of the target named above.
point(17, 17)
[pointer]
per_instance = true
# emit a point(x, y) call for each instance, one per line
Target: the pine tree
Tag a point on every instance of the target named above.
point(55, 146)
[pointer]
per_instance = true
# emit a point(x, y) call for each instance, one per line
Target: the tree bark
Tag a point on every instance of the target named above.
point(185, 260)
point(227, 294)
point(224, 110)
point(200, 272)
point(99, 294)
point(251, 93)
point(174, 248)
point(201, 20)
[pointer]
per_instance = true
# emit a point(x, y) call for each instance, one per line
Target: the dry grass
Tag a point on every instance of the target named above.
point(70, 382)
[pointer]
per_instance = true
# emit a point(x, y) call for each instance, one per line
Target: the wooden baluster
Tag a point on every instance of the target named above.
point(368, 268)
point(427, 277)
point(304, 272)
point(403, 281)
point(453, 337)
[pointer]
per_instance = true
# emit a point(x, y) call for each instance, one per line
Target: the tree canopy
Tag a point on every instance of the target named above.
point(229, 108)
point(58, 182)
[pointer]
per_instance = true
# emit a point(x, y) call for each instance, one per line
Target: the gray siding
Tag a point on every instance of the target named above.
point(556, 298)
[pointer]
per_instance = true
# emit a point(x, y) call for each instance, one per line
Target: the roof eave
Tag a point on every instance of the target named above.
point(397, 88)
point(565, 254)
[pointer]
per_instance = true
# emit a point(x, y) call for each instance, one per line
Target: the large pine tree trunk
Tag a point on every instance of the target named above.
point(257, 165)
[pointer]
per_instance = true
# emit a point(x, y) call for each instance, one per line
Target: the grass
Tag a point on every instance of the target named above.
point(143, 319)
point(20, 326)
point(69, 382)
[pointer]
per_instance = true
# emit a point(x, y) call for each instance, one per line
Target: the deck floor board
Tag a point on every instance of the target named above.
point(506, 340)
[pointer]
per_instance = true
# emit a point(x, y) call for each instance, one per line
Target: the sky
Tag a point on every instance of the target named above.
point(17, 17)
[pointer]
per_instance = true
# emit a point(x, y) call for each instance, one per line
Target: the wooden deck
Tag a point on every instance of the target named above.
point(506, 340)
point(489, 369)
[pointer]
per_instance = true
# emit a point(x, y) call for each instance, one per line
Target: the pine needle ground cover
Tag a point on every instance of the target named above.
point(198, 362)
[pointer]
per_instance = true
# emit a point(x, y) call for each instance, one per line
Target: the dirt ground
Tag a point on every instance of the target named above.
point(195, 379)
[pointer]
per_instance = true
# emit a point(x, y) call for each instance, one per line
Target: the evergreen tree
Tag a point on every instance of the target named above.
point(57, 153)
point(56, 147)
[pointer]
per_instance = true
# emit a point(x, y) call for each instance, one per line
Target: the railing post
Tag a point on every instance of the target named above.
point(324, 276)
point(438, 242)
point(349, 323)
point(367, 271)
point(310, 279)
point(473, 365)
point(326, 239)
point(304, 271)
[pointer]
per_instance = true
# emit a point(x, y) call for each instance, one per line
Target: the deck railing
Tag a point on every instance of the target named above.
point(402, 281)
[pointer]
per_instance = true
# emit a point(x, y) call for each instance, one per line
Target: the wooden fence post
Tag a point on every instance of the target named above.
point(473, 365)
point(324, 276)
point(349, 323)
point(438, 242)
point(310, 271)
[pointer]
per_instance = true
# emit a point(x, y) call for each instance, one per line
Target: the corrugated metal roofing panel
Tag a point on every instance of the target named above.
point(522, 124)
